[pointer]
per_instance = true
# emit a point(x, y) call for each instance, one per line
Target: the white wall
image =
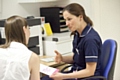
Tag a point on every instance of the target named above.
point(110, 25)
point(106, 18)
point(85, 4)
point(11, 7)
point(104, 13)
point(0, 7)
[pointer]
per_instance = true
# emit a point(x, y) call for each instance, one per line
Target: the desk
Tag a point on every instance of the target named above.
point(52, 64)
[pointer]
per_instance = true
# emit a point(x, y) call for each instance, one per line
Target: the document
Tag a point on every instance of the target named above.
point(47, 29)
point(48, 70)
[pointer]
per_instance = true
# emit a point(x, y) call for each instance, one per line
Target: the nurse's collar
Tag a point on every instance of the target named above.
point(85, 31)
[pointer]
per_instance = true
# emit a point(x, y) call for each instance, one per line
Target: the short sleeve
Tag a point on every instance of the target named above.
point(91, 50)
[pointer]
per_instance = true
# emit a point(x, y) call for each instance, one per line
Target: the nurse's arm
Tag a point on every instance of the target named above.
point(68, 59)
point(88, 71)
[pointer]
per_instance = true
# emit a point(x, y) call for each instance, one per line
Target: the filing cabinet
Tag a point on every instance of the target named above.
point(54, 16)
point(61, 42)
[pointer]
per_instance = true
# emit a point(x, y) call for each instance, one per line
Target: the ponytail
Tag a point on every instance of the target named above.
point(88, 20)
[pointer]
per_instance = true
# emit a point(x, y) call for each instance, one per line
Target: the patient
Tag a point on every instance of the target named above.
point(16, 60)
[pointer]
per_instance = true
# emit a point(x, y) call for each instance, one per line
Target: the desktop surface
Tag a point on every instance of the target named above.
point(52, 63)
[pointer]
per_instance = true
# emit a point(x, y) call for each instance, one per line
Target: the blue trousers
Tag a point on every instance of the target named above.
point(48, 78)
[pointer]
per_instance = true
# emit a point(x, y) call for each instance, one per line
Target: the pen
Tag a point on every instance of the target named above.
point(77, 51)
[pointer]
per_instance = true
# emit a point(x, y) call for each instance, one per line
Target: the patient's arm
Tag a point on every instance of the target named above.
point(34, 65)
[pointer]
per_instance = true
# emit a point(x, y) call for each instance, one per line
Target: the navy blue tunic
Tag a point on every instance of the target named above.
point(86, 48)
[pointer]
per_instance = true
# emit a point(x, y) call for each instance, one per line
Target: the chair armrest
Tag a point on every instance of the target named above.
point(91, 77)
point(63, 70)
point(95, 77)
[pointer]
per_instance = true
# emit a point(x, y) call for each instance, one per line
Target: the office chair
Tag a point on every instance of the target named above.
point(0, 39)
point(107, 58)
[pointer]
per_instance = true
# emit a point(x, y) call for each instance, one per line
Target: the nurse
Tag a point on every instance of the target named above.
point(86, 45)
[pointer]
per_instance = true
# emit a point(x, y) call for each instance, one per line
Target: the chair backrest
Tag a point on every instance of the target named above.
point(0, 39)
point(108, 57)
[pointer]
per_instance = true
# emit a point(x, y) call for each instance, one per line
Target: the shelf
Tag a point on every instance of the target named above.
point(34, 1)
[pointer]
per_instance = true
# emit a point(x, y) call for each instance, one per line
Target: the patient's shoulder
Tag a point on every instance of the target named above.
point(34, 57)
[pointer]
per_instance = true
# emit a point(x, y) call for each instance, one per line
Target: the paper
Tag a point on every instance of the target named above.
point(47, 29)
point(49, 59)
point(48, 70)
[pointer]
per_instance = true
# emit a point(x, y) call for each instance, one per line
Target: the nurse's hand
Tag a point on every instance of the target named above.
point(57, 76)
point(58, 57)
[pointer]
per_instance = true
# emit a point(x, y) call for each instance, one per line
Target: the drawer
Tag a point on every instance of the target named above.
point(33, 41)
point(62, 46)
point(35, 49)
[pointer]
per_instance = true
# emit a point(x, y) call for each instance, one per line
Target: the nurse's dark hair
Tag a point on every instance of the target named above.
point(14, 30)
point(77, 10)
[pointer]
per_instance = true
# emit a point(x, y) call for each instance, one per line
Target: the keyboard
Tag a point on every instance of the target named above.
point(50, 59)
